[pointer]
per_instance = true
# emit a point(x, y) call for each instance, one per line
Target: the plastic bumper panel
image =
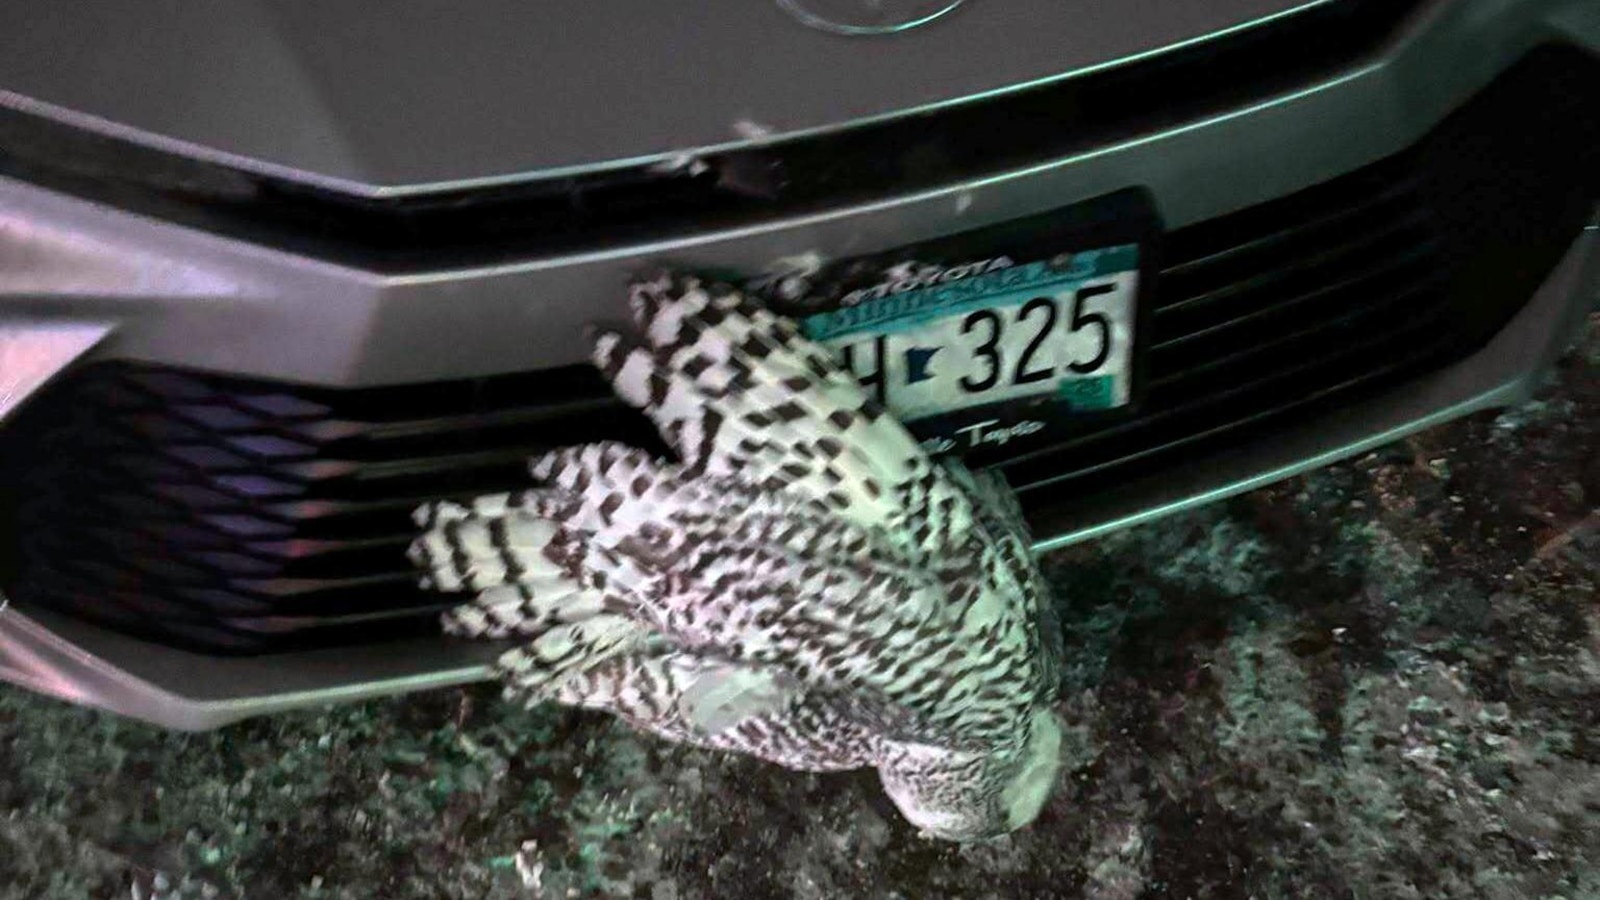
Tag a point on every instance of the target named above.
point(117, 285)
point(90, 665)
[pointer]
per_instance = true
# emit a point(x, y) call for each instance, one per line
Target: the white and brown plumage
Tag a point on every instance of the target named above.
point(803, 584)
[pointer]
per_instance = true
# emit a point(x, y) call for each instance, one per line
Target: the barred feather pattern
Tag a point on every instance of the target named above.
point(802, 583)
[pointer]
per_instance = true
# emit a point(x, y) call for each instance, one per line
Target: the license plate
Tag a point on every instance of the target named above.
point(993, 340)
point(1055, 332)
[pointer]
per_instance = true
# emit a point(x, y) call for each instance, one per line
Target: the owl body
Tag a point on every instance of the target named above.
point(802, 583)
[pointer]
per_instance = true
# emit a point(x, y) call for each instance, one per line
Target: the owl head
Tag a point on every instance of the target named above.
point(980, 795)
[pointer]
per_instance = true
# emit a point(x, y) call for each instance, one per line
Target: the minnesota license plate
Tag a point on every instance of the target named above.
point(989, 341)
point(1054, 336)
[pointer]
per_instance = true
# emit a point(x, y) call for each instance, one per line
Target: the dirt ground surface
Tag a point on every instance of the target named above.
point(1378, 681)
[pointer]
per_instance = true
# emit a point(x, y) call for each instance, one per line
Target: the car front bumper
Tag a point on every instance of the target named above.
point(149, 291)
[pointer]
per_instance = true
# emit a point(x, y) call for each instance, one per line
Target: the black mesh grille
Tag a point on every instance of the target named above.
point(1277, 314)
point(245, 516)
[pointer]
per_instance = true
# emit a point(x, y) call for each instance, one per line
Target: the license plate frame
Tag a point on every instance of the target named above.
point(997, 431)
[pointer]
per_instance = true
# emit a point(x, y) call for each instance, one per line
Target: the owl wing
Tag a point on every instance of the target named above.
point(738, 392)
point(794, 534)
point(540, 573)
point(618, 561)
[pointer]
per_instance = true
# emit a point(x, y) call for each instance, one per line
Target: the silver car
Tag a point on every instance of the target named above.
point(273, 273)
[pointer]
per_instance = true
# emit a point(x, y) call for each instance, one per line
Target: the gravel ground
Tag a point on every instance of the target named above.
point(1378, 681)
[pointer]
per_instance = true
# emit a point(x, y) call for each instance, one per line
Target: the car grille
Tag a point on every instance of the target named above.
point(243, 516)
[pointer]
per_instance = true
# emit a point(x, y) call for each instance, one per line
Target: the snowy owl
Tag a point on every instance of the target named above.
point(803, 583)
